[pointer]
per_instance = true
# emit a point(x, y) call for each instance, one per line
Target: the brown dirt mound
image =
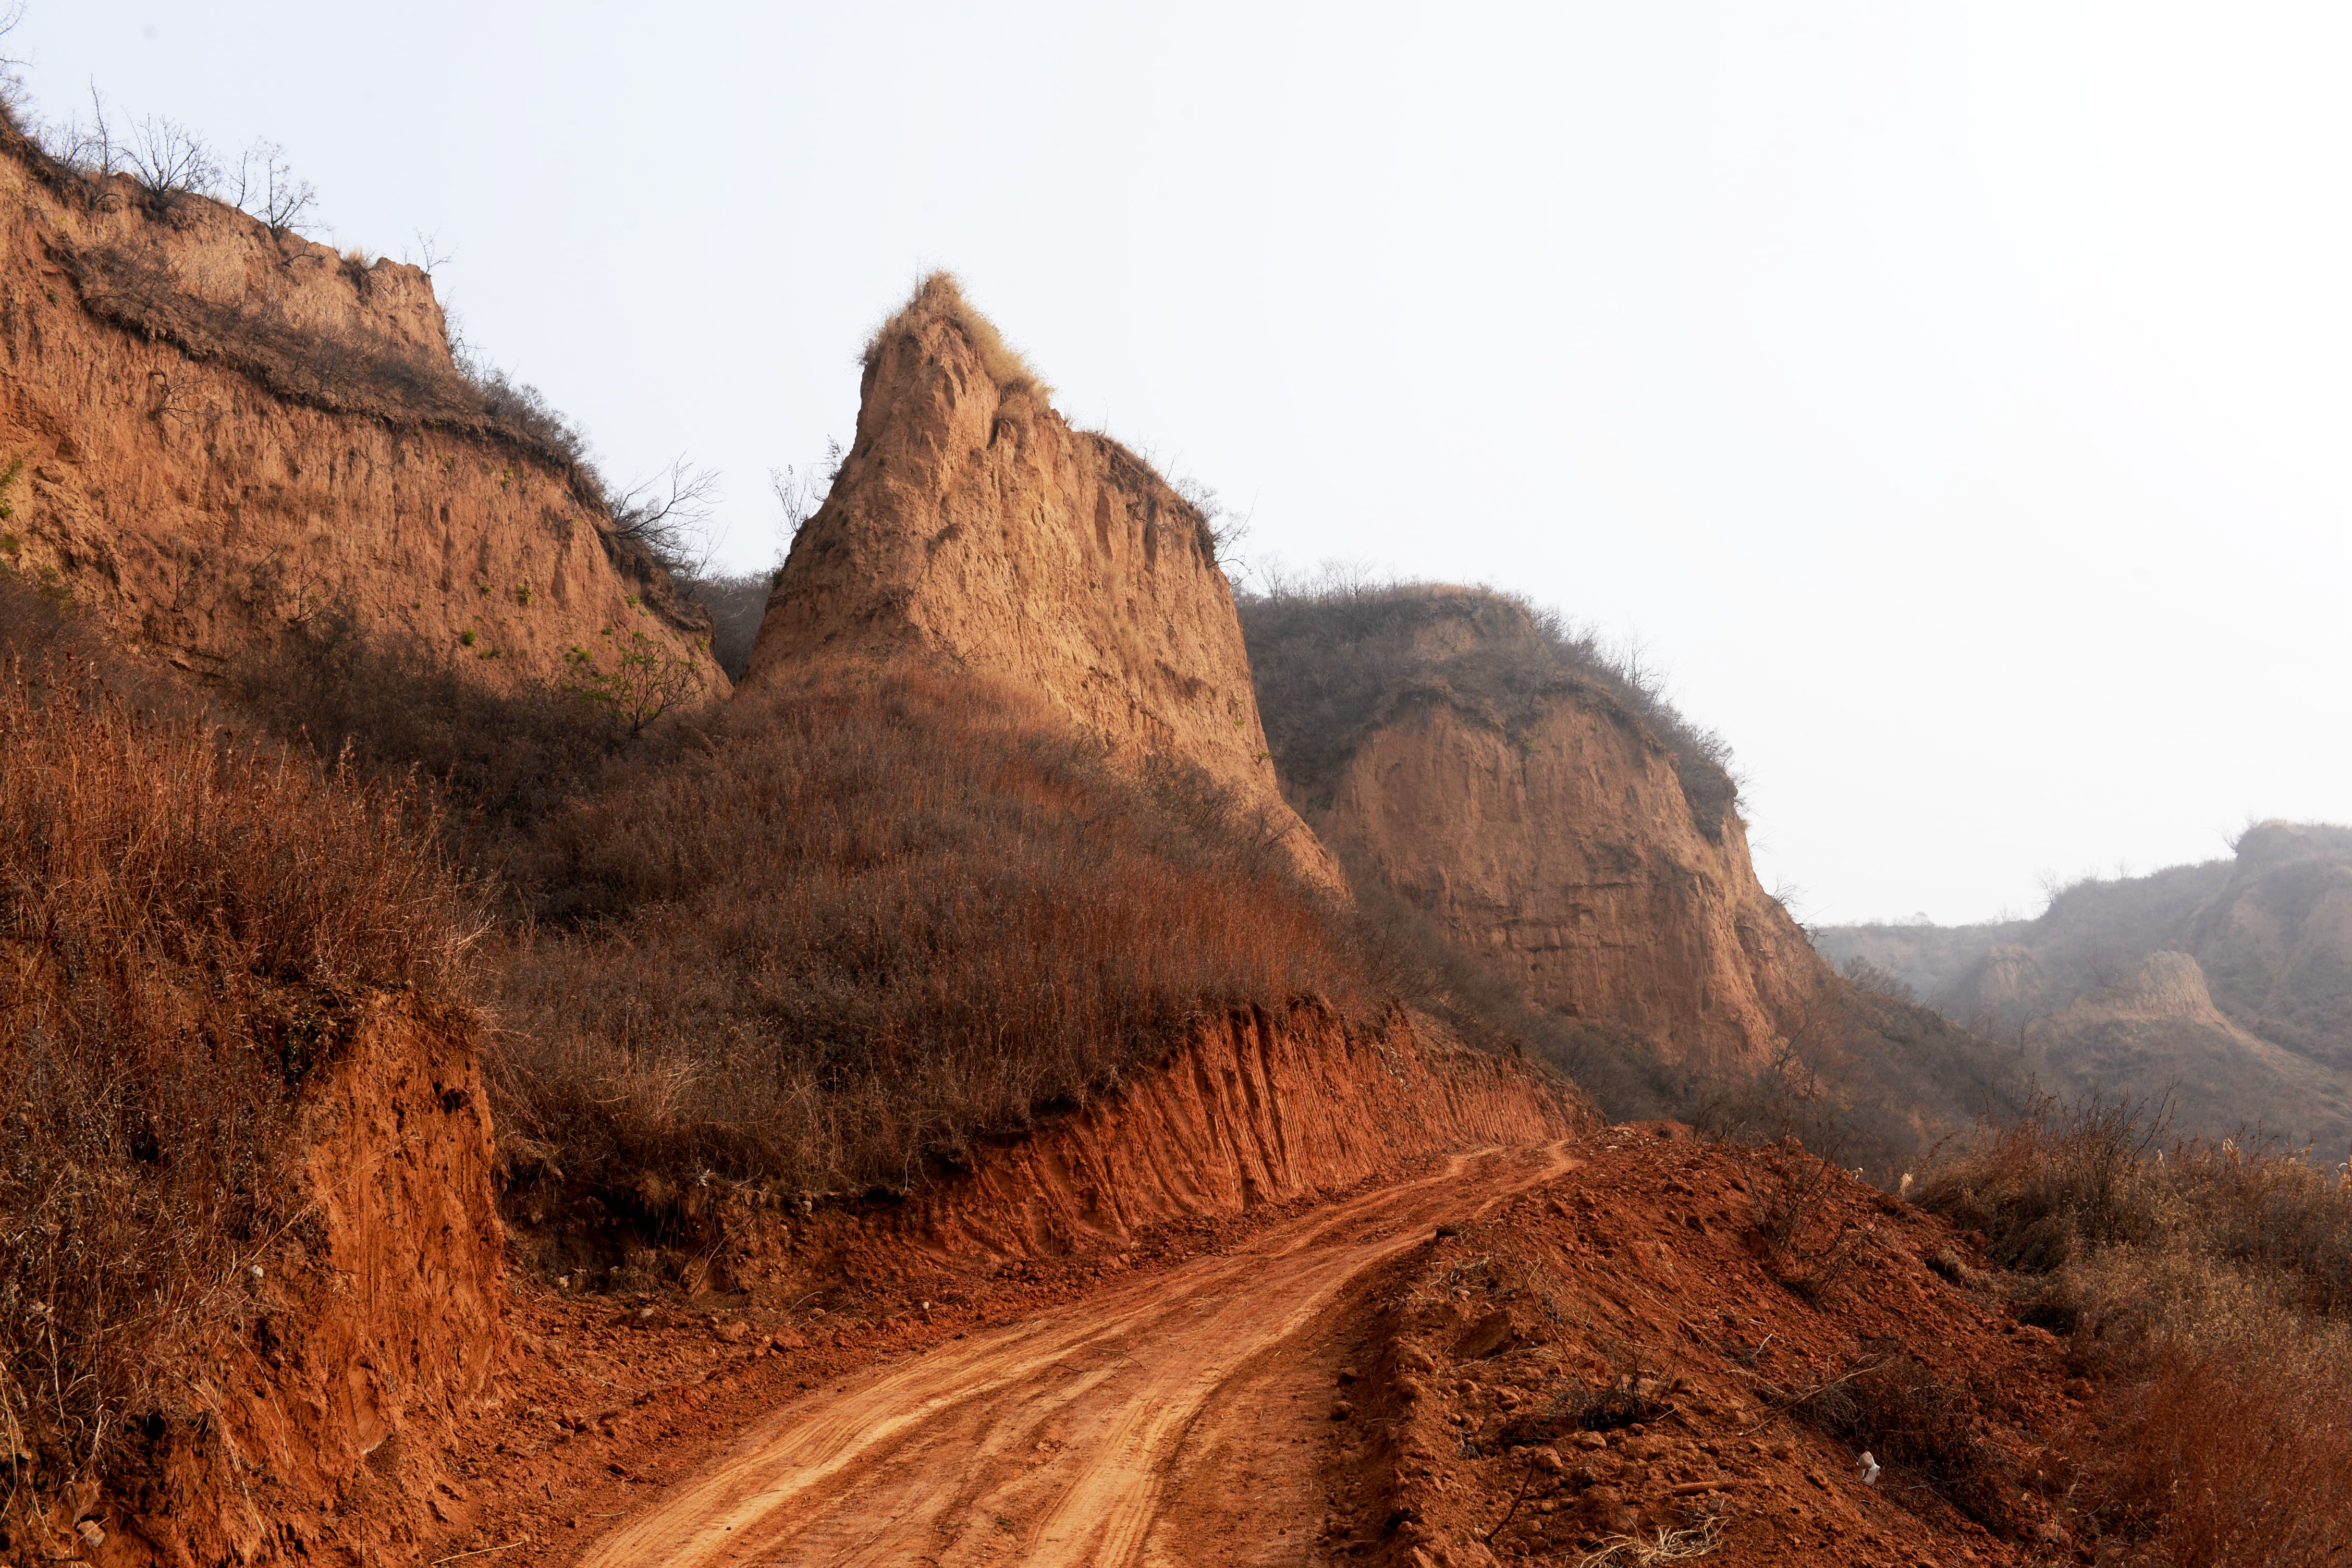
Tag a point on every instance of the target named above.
point(1618, 1367)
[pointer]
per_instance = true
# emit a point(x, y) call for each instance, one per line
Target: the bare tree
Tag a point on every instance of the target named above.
point(12, 69)
point(267, 187)
point(90, 149)
point(669, 514)
point(800, 494)
point(169, 160)
point(430, 256)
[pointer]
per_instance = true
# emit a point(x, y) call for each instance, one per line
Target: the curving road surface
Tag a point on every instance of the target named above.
point(1168, 1421)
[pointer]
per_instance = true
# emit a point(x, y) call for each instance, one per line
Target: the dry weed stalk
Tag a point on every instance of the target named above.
point(1665, 1546)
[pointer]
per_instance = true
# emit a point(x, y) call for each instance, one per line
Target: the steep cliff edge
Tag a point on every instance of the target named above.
point(212, 433)
point(971, 528)
point(1505, 782)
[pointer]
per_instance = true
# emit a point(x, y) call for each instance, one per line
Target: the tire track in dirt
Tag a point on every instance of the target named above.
point(1131, 1428)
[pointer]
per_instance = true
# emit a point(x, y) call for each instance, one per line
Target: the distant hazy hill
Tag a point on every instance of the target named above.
point(2228, 983)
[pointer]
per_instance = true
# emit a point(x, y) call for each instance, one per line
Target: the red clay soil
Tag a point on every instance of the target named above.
point(1443, 1367)
point(1613, 1366)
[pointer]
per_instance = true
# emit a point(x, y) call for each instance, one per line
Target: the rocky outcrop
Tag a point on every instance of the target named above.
point(1521, 799)
point(211, 433)
point(971, 529)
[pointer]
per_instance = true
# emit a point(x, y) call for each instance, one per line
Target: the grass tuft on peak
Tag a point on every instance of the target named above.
point(940, 295)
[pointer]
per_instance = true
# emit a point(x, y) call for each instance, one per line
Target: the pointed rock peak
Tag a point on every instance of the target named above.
point(972, 529)
point(938, 308)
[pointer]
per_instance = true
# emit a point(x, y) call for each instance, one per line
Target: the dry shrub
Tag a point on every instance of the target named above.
point(2205, 1285)
point(829, 938)
point(188, 926)
point(503, 759)
point(939, 294)
point(2227, 1457)
point(736, 603)
point(1925, 1429)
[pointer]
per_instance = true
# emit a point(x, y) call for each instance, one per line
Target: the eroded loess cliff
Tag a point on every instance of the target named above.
point(250, 1260)
point(212, 433)
point(971, 528)
point(1505, 782)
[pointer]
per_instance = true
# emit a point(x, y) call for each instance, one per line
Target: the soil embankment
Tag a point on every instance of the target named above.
point(355, 1339)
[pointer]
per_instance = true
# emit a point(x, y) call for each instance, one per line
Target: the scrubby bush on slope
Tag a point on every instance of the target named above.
point(2209, 1287)
point(1332, 654)
point(822, 940)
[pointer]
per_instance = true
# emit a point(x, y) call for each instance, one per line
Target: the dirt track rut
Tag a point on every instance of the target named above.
point(1151, 1424)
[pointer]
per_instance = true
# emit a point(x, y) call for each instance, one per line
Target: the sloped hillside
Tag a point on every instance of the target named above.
point(217, 436)
point(971, 529)
point(2227, 984)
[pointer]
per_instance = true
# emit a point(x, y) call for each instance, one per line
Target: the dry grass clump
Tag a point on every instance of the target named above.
point(834, 937)
point(939, 294)
point(187, 925)
point(2206, 1285)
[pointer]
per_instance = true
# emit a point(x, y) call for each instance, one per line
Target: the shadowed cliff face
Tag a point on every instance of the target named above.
point(213, 435)
point(1522, 801)
point(971, 529)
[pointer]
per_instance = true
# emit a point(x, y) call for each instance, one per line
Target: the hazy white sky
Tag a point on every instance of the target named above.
point(1952, 398)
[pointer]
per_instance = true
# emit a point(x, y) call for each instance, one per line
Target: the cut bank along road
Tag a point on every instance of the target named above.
point(1151, 1424)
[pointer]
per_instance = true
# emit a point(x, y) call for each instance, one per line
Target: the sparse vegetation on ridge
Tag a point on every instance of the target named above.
point(938, 293)
point(164, 172)
point(1334, 652)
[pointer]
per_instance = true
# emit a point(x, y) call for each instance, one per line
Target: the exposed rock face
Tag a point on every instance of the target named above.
point(212, 432)
point(361, 1332)
point(1538, 816)
point(2227, 985)
point(971, 528)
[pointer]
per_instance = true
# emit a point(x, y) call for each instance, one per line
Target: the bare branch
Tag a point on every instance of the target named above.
point(669, 514)
point(169, 160)
point(267, 188)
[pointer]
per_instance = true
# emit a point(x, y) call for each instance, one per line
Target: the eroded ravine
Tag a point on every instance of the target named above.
point(1128, 1428)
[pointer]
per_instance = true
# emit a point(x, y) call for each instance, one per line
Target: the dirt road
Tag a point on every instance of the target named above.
point(1168, 1421)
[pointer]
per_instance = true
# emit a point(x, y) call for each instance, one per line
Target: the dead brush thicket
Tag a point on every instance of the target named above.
point(186, 926)
point(2205, 1287)
point(825, 941)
